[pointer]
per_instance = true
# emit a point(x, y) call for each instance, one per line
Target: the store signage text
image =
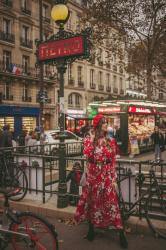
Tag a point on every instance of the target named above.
point(61, 48)
point(109, 110)
point(140, 110)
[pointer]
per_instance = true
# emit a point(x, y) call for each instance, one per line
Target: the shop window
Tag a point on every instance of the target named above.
point(7, 121)
point(29, 123)
point(7, 61)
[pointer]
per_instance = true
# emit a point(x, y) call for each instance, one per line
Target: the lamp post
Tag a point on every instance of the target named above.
point(60, 49)
point(60, 15)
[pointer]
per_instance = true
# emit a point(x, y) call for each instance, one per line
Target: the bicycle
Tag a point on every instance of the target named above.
point(12, 175)
point(154, 197)
point(25, 230)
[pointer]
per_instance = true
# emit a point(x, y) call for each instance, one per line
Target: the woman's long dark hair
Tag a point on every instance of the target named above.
point(98, 133)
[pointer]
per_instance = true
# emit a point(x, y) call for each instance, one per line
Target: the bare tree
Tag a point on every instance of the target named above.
point(143, 22)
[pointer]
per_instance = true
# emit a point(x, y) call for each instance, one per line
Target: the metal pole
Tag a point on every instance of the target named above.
point(62, 188)
point(41, 121)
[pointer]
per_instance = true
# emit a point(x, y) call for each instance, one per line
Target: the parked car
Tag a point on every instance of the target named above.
point(73, 142)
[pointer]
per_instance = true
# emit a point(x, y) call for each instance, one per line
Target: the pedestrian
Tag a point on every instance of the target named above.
point(6, 137)
point(98, 203)
point(74, 177)
point(158, 142)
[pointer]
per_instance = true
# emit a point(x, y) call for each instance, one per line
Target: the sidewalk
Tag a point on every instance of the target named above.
point(50, 209)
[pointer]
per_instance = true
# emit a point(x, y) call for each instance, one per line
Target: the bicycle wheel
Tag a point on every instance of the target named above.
point(156, 214)
point(17, 182)
point(42, 235)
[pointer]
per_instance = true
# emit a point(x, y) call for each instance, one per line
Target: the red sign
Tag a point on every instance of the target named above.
point(140, 110)
point(109, 110)
point(61, 48)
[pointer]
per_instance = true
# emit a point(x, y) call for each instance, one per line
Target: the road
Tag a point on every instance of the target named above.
point(72, 238)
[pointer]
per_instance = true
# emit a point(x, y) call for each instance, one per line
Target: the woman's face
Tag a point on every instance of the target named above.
point(104, 126)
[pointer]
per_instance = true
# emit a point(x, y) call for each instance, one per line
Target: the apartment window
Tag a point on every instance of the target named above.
point(78, 27)
point(79, 70)
point(45, 10)
point(69, 22)
point(100, 56)
point(121, 83)
point(115, 82)
point(25, 32)
point(7, 90)
point(24, 4)
point(6, 60)
point(77, 100)
point(25, 91)
point(92, 76)
point(108, 79)
point(25, 63)
point(69, 71)
point(100, 78)
point(70, 99)
point(6, 26)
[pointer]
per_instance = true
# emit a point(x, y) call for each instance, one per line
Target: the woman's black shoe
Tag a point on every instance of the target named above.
point(91, 233)
point(123, 240)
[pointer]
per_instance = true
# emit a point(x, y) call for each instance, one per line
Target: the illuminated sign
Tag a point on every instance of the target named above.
point(109, 110)
point(140, 110)
point(61, 48)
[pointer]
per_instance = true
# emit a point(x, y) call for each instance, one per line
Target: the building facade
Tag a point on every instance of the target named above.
point(19, 77)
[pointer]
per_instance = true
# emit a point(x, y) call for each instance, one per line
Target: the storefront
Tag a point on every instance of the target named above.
point(75, 120)
point(135, 120)
point(19, 118)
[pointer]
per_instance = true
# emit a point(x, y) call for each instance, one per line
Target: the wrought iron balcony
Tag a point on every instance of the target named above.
point(26, 98)
point(108, 65)
point(108, 88)
point(101, 87)
point(115, 90)
point(71, 82)
point(81, 84)
point(93, 86)
point(26, 43)
point(46, 19)
point(7, 37)
point(8, 97)
point(7, 3)
point(122, 92)
point(26, 11)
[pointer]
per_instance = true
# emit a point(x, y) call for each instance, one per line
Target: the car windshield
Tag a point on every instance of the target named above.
point(56, 135)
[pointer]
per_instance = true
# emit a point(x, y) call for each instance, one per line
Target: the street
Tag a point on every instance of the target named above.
point(72, 238)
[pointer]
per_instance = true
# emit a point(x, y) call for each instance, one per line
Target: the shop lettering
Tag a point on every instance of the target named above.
point(139, 110)
point(68, 47)
point(109, 110)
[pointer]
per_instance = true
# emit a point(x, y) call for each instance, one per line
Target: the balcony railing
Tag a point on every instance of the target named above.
point(122, 92)
point(26, 43)
point(101, 87)
point(26, 11)
point(115, 68)
point(8, 97)
point(71, 82)
point(108, 88)
point(7, 3)
point(115, 90)
point(26, 98)
point(7, 37)
point(93, 86)
point(108, 65)
point(81, 84)
point(46, 19)
point(100, 62)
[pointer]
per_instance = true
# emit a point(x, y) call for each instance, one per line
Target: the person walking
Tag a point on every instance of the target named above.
point(158, 142)
point(6, 137)
point(98, 203)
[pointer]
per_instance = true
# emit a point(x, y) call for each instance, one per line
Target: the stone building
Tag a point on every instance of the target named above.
point(19, 76)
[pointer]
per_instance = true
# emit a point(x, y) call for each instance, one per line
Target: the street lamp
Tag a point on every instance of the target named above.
point(60, 15)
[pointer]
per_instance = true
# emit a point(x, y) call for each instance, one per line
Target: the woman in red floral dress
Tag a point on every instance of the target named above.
point(98, 203)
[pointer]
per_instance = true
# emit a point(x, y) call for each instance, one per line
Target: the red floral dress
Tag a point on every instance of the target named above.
point(98, 203)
